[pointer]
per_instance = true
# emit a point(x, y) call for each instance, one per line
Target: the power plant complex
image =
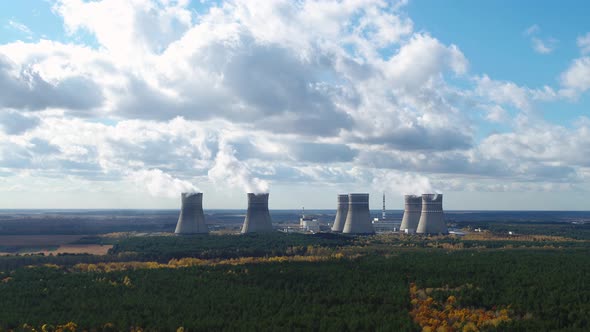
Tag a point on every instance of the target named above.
point(422, 215)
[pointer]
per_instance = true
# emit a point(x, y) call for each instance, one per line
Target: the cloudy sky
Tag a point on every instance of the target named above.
point(127, 103)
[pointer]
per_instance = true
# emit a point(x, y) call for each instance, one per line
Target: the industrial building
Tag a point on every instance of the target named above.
point(432, 216)
point(257, 218)
point(358, 218)
point(309, 223)
point(191, 219)
point(385, 226)
point(412, 212)
point(341, 213)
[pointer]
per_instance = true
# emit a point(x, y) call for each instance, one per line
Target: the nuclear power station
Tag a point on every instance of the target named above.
point(341, 213)
point(192, 218)
point(358, 218)
point(257, 217)
point(432, 218)
point(422, 215)
point(412, 212)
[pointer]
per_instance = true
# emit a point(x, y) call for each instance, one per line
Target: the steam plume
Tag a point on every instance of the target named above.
point(228, 169)
point(160, 184)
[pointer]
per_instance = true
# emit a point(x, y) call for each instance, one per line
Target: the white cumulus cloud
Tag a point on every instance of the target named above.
point(242, 94)
point(404, 183)
point(229, 170)
point(584, 43)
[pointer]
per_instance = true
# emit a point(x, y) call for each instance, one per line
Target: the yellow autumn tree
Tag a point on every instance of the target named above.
point(127, 282)
point(68, 327)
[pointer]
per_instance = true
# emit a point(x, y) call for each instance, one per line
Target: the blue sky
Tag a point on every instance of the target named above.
point(492, 34)
point(35, 15)
point(124, 104)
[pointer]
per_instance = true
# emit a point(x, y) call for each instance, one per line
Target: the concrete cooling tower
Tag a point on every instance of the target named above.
point(358, 218)
point(412, 211)
point(257, 217)
point(432, 218)
point(192, 218)
point(341, 213)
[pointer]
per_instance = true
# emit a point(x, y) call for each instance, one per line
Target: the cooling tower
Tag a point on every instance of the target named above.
point(257, 217)
point(192, 218)
point(412, 211)
point(358, 218)
point(341, 213)
point(432, 219)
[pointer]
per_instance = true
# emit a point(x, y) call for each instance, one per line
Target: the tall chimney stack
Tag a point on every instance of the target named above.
point(383, 211)
point(432, 218)
point(412, 211)
point(192, 218)
point(257, 217)
point(358, 218)
point(341, 212)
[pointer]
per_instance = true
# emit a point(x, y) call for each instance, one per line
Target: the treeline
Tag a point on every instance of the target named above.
point(458, 242)
point(164, 248)
point(569, 230)
point(8, 263)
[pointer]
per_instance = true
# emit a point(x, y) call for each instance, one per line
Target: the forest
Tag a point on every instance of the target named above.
point(285, 282)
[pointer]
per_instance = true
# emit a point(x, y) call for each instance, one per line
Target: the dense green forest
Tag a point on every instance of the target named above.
point(570, 230)
point(229, 246)
point(164, 248)
point(363, 285)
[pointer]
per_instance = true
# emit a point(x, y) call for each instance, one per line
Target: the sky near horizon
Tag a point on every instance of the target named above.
point(127, 103)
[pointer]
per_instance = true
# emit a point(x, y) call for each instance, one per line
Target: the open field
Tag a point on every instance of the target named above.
point(48, 244)
point(91, 249)
point(37, 240)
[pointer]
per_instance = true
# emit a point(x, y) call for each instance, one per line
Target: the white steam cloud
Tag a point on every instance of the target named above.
point(406, 183)
point(160, 184)
point(231, 171)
